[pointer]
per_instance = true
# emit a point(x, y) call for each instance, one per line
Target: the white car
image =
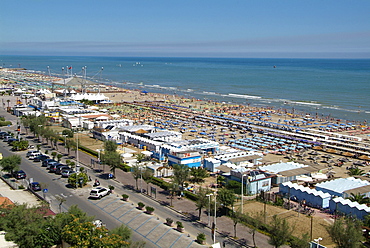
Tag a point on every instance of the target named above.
point(99, 192)
point(33, 154)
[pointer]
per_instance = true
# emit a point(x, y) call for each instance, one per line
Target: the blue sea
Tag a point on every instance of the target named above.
point(338, 88)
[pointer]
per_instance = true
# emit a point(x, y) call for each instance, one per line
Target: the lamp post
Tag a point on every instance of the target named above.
point(209, 208)
point(242, 170)
point(65, 142)
point(214, 223)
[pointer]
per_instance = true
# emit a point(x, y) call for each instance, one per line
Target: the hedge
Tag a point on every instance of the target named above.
point(5, 123)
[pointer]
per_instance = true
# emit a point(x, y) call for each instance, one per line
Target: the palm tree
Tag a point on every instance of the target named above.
point(359, 198)
point(355, 171)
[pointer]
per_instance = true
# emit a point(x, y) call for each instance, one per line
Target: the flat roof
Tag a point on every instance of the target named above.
point(244, 158)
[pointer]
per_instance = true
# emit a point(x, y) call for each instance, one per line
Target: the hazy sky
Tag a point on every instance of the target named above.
point(196, 28)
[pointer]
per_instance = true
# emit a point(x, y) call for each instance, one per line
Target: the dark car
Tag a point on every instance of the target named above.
point(40, 158)
point(54, 166)
point(35, 186)
point(3, 134)
point(11, 140)
point(61, 168)
point(46, 161)
point(20, 174)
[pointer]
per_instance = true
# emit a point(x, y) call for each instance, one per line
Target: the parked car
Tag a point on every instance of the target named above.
point(46, 161)
point(3, 134)
point(6, 138)
point(41, 158)
point(34, 155)
point(53, 167)
point(67, 173)
point(29, 153)
point(19, 174)
point(99, 192)
point(50, 163)
point(60, 168)
point(11, 140)
point(35, 186)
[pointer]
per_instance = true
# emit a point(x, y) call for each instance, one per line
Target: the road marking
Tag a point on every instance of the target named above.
point(118, 207)
point(126, 213)
point(152, 230)
point(165, 234)
point(177, 240)
point(110, 203)
point(134, 218)
point(144, 222)
point(192, 241)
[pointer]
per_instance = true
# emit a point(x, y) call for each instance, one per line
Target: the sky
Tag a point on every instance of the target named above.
point(187, 28)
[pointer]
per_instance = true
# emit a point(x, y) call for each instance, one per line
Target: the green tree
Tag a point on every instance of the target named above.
point(112, 159)
point(78, 179)
point(280, 231)
point(236, 216)
point(54, 154)
point(110, 146)
point(147, 176)
point(22, 224)
point(70, 144)
point(359, 198)
point(59, 156)
point(68, 133)
point(136, 173)
point(11, 163)
point(346, 232)
point(355, 171)
point(139, 157)
point(86, 234)
point(202, 201)
point(226, 197)
point(181, 173)
point(302, 242)
point(20, 145)
point(123, 231)
point(198, 174)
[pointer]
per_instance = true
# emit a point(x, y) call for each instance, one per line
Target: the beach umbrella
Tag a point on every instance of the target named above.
point(193, 131)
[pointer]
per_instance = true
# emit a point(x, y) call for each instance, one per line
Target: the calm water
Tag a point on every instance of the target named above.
point(335, 87)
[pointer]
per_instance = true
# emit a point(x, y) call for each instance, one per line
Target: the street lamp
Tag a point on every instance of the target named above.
point(242, 170)
point(214, 222)
point(209, 208)
point(65, 142)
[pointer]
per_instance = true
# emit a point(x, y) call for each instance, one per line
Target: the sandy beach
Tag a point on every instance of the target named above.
point(180, 112)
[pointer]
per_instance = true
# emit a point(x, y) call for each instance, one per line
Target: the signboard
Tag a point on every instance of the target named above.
point(316, 245)
point(45, 190)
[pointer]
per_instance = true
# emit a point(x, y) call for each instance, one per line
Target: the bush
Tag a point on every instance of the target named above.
point(201, 237)
point(149, 209)
point(5, 123)
point(141, 205)
point(179, 224)
point(111, 187)
point(124, 196)
point(169, 220)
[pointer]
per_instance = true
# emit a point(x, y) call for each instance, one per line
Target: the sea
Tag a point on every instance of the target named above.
point(326, 88)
